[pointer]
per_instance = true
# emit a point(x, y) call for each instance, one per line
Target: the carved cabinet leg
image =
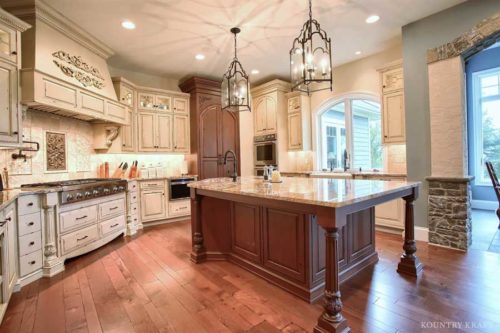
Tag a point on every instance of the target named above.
point(198, 253)
point(409, 263)
point(52, 264)
point(331, 320)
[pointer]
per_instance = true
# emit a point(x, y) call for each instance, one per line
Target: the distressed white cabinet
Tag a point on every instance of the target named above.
point(181, 133)
point(390, 214)
point(153, 102)
point(12, 254)
point(181, 105)
point(155, 132)
point(10, 63)
point(393, 110)
point(154, 197)
point(299, 122)
point(128, 132)
point(163, 131)
point(265, 115)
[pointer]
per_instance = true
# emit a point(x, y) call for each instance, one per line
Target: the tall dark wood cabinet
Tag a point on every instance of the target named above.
point(213, 132)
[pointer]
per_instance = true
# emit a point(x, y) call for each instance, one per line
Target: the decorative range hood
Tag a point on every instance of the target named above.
point(64, 69)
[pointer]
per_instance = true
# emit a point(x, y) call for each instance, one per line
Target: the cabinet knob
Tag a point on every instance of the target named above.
point(13, 53)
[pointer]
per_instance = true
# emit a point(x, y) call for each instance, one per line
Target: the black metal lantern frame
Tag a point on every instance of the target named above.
point(310, 58)
point(235, 87)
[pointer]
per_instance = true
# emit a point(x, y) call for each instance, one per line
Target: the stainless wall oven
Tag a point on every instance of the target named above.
point(265, 150)
point(179, 189)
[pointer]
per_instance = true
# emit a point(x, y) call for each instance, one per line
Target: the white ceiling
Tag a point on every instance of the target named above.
point(170, 32)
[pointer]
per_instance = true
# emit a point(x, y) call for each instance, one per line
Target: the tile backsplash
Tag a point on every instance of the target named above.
point(82, 160)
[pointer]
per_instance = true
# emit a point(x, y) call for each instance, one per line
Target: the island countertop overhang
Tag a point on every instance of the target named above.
point(334, 193)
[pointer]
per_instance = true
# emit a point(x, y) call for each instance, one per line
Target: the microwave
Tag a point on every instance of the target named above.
point(179, 189)
point(265, 150)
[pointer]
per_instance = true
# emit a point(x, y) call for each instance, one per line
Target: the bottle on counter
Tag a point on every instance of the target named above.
point(151, 171)
point(160, 171)
point(143, 171)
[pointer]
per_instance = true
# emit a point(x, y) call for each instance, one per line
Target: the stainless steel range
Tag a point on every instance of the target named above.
point(83, 189)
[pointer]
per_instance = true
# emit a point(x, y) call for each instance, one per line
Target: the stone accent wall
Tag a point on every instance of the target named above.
point(450, 212)
point(482, 35)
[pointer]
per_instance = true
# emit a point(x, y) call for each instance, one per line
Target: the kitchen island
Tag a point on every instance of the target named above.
point(306, 235)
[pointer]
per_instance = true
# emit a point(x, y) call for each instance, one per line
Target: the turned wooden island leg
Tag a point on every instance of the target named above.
point(198, 253)
point(331, 320)
point(410, 264)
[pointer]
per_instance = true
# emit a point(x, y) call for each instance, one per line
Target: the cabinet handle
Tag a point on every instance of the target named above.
point(113, 208)
point(30, 204)
point(32, 243)
point(115, 225)
point(2, 223)
point(31, 224)
point(32, 262)
point(13, 53)
point(80, 239)
point(81, 217)
point(8, 219)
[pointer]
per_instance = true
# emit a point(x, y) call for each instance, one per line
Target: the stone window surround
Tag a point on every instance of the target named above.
point(449, 186)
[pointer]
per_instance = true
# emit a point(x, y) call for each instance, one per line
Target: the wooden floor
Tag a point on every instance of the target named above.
point(147, 284)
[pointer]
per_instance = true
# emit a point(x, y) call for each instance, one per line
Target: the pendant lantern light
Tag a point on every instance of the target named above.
point(235, 88)
point(310, 58)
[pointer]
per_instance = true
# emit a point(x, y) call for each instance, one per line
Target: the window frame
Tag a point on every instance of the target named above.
point(319, 127)
point(477, 117)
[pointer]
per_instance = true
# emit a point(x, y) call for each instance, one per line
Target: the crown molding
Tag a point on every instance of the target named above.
point(32, 10)
point(13, 22)
point(273, 85)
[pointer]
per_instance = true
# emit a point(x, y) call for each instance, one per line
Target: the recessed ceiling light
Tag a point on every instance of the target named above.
point(372, 18)
point(357, 52)
point(129, 25)
point(255, 71)
point(199, 56)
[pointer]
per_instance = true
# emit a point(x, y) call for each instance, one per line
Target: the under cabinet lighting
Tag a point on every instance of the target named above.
point(372, 18)
point(199, 56)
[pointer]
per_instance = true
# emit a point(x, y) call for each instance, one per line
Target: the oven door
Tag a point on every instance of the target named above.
point(179, 189)
point(265, 153)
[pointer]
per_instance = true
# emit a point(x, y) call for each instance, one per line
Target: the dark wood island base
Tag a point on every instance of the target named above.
point(304, 247)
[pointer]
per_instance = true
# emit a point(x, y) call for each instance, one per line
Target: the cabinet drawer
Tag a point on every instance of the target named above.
point(92, 103)
point(132, 186)
point(79, 238)
point(152, 184)
point(30, 263)
point(117, 111)
point(30, 243)
point(29, 223)
point(114, 225)
point(111, 208)
point(134, 208)
point(28, 204)
point(135, 219)
point(180, 207)
point(77, 218)
point(132, 197)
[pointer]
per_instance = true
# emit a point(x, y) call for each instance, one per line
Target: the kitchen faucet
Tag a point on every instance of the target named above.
point(235, 164)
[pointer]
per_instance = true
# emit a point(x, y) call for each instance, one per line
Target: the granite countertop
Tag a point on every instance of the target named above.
point(162, 178)
point(315, 191)
point(344, 174)
point(8, 196)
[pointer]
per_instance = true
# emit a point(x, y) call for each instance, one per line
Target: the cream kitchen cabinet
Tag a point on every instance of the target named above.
point(299, 122)
point(154, 102)
point(181, 105)
point(10, 63)
point(265, 115)
point(10, 275)
point(128, 133)
point(393, 111)
point(390, 214)
point(155, 132)
point(154, 200)
point(181, 133)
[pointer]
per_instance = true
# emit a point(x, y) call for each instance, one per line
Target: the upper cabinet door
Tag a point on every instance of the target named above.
point(260, 116)
point(271, 115)
point(127, 96)
point(294, 131)
point(294, 104)
point(181, 133)
point(394, 118)
point(8, 43)
point(146, 101)
point(163, 103)
point(10, 116)
point(164, 132)
point(128, 133)
point(146, 126)
point(392, 80)
point(180, 105)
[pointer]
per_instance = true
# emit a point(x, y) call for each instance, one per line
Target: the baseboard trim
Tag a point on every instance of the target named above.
point(422, 234)
point(484, 205)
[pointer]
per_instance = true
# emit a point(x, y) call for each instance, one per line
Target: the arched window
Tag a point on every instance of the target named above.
point(350, 126)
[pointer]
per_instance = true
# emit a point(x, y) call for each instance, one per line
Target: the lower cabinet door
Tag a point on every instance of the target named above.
point(245, 231)
point(153, 205)
point(284, 234)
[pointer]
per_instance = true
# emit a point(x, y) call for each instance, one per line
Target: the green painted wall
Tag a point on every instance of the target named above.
point(418, 37)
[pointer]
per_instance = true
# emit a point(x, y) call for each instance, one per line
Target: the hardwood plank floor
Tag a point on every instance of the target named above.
point(148, 284)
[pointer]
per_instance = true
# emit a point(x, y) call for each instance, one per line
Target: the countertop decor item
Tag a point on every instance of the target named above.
point(310, 58)
point(235, 88)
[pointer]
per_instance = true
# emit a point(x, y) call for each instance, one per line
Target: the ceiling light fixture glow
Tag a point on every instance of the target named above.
point(199, 56)
point(357, 52)
point(372, 19)
point(129, 25)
